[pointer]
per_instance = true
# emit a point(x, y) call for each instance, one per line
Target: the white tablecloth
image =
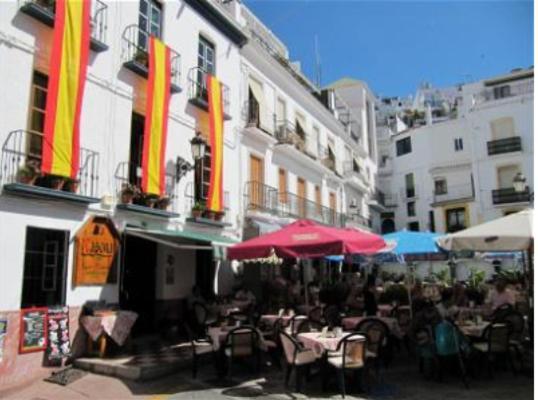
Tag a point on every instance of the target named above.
point(117, 325)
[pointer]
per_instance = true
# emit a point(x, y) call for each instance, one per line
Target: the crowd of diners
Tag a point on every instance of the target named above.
point(424, 311)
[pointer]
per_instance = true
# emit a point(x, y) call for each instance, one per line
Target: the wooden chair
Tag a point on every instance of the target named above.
point(297, 358)
point(349, 355)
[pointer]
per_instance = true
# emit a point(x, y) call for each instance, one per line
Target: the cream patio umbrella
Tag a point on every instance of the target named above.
point(513, 232)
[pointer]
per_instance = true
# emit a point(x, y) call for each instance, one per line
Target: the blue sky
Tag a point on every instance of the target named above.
point(395, 45)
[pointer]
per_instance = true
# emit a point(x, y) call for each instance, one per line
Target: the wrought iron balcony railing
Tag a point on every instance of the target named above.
point(44, 11)
point(509, 195)
point(21, 163)
point(505, 145)
point(128, 180)
point(198, 96)
point(286, 132)
point(135, 56)
point(192, 200)
point(261, 197)
point(506, 91)
point(454, 193)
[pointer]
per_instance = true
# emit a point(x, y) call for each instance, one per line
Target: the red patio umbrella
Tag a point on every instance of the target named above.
point(307, 239)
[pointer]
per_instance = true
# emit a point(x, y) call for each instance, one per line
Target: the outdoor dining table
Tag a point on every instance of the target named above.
point(218, 335)
point(473, 329)
point(320, 343)
point(271, 318)
point(115, 325)
point(349, 323)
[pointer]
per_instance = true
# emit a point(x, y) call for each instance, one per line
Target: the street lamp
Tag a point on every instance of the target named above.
point(198, 152)
point(198, 147)
point(520, 182)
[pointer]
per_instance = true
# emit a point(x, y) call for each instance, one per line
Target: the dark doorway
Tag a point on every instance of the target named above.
point(138, 282)
point(205, 273)
point(387, 226)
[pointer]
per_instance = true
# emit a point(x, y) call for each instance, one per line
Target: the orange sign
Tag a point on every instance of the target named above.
point(96, 249)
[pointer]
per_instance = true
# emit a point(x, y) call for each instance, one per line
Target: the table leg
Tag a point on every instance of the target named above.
point(102, 345)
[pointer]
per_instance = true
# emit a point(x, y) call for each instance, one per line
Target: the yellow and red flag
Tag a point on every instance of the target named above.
point(156, 124)
point(67, 77)
point(216, 140)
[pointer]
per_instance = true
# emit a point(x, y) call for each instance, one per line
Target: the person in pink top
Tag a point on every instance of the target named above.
point(500, 295)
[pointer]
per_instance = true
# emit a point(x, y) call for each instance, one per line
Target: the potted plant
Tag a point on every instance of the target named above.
point(197, 210)
point(150, 200)
point(56, 182)
point(141, 57)
point(163, 203)
point(71, 185)
point(219, 215)
point(128, 192)
point(28, 173)
point(209, 214)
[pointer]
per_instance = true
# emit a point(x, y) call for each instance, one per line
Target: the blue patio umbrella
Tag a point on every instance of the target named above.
point(412, 242)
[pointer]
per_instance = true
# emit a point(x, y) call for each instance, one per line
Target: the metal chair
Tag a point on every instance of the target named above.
point(495, 344)
point(309, 325)
point(349, 355)
point(202, 316)
point(297, 358)
point(377, 333)
point(242, 342)
point(200, 346)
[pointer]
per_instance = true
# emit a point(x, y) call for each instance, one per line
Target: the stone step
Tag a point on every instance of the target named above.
point(140, 367)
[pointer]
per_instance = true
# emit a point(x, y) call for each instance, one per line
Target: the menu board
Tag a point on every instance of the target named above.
point(33, 330)
point(58, 333)
point(3, 332)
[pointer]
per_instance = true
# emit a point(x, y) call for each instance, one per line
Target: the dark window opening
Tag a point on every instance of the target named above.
point(455, 219)
point(136, 149)
point(411, 210)
point(403, 146)
point(413, 226)
point(440, 186)
point(44, 267)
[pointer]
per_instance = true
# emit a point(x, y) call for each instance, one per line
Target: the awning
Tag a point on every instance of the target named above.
point(176, 239)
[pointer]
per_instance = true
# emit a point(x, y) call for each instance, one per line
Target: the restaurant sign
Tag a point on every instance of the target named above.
point(96, 249)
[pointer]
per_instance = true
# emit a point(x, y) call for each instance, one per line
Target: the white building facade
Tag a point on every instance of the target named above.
point(459, 171)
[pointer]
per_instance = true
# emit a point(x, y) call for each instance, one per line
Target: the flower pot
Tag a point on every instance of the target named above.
point(209, 214)
point(27, 179)
point(57, 183)
point(196, 213)
point(151, 201)
point(219, 216)
point(163, 203)
point(127, 197)
point(72, 186)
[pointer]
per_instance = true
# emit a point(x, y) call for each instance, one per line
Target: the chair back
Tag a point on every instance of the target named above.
point(353, 347)
point(243, 341)
point(403, 316)
point(309, 325)
point(446, 339)
point(501, 311)
point(517, 324)
point(376, 331)
point(200, 312)
point(290, 346)
point(498, 336)
point(296, 320)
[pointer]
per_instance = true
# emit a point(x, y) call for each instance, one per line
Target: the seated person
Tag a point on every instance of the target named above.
point(500, 295)
point(370, 300)
point(459, 296)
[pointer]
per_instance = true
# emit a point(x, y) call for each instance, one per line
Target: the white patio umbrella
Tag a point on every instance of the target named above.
point(513, 232)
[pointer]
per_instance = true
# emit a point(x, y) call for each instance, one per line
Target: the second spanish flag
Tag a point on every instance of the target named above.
point(67, 76)
point(216, 137)
point(156, 124)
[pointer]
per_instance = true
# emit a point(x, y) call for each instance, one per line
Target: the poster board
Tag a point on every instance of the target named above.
point(96, 250)
point(33, 329)
point(58, 346)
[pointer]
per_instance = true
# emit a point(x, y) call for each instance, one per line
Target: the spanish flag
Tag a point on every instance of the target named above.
point(156, 123)
point(67, 76)
point(216, 140)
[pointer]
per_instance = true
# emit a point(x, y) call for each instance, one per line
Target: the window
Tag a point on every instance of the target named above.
point(149, 21)
point(411, 211)
point(500, 92)
point(440, 186)
point(44, 267)
point(300, 124)
point(458, 144)
point(403, 146)
point(37, 114)
point(432, 221)
point(317, 193)
point(202, 176)
point(206, 56)
point(384, 160)
point(282, 185)
point(136, 149)
point(505, 176)
point(455, 219)
point(413, 226)
point(410, 185)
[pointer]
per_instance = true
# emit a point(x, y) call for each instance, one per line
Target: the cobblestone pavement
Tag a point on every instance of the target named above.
point(401, 381)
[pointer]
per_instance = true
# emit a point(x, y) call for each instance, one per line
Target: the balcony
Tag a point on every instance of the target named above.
point(390, 200)
point(354, 175)
point(505, 91)
point(20, 171)
point(255, 119)
point(197, 78)
point(198, 214)
point(135, 56)
point(128, 180)
point(506, 145)
point(44, 11)
point(453, 193)
point(263, 198)
point(509, 195)
point(289, 133)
